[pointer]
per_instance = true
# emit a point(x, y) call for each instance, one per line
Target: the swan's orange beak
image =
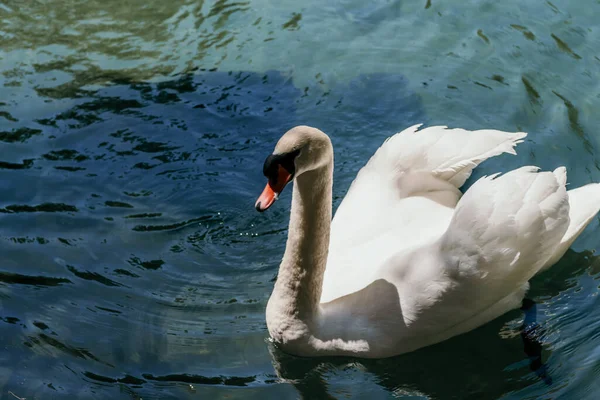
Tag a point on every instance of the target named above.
point(272, 190)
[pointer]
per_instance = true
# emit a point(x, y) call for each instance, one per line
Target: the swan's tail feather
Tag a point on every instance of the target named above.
point(584, 204)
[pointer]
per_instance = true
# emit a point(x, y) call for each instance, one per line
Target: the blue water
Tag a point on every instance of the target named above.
point(132, 137)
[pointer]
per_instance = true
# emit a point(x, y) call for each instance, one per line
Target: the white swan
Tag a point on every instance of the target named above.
point(405, 263)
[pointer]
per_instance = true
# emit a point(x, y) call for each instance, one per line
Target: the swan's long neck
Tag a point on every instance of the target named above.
point(296, 295)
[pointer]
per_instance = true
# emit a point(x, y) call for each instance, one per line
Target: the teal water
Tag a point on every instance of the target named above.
point(132, 137)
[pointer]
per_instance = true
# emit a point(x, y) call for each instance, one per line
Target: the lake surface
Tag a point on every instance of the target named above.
point(132, 137)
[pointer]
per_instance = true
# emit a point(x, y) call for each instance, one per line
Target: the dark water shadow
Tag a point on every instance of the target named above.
point(459, 368)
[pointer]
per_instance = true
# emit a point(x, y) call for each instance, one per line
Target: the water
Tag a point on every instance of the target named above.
point(132, 136)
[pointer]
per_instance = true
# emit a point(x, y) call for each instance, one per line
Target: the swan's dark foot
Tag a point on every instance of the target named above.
point(531, 333)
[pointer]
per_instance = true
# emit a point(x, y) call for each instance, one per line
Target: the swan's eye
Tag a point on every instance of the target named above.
point(271, 168)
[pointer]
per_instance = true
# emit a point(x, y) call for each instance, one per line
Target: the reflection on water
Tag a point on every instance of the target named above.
point(132, 136)
point(532, 335)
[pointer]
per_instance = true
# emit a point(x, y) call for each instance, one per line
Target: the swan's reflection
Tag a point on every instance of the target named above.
point(458, 368)
point(532, 336)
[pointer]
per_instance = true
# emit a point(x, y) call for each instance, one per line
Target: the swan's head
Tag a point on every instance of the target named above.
point(300, 150)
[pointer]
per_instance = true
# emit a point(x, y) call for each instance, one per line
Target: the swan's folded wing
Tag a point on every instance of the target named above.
point(432, 163)
point(449, 154)
point(403, 198)
point(504, 229)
